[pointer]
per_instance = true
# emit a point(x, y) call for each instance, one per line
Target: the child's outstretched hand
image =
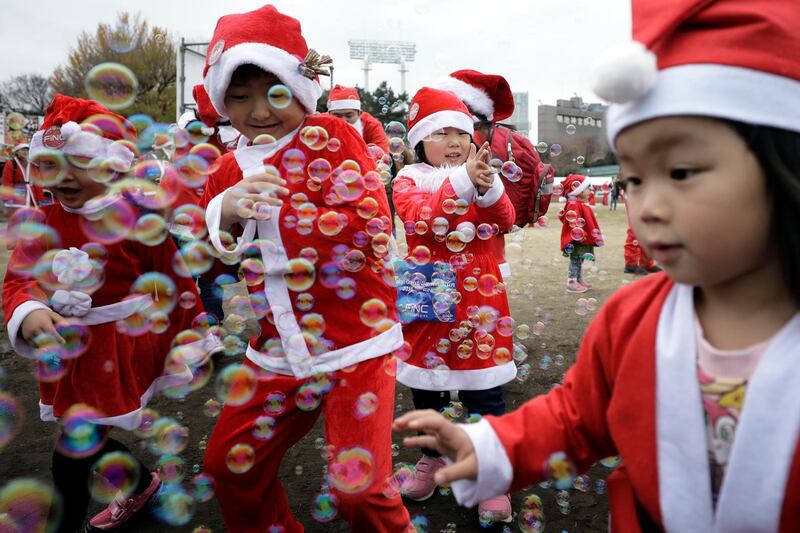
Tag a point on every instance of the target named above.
point(446, 438)
point(478, 167)
point(41, 321)
point(251, 197)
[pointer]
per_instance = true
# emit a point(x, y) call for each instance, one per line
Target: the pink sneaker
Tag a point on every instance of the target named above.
point(421, 486)
point(585, 284)
point(497, 509)
point(574, 287)
point(120, 510)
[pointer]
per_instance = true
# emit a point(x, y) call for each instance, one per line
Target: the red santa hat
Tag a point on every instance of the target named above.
point(205, 109)
point(728, 60)
point(267, 39)
point(343, 98)
point(61, 130)
point(487, 94)
point(574, 184)
point(434, 109)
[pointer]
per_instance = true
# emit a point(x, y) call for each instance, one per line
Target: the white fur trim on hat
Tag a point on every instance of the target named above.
point(437, 121)
point(334, 105)
point(85, 144)
point(624, 73)
point(271, 59)
point(21, 146)
point(579, 189)
point(474, 98)
point(710, 90)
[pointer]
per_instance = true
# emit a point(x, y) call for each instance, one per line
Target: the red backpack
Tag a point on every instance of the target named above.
point(531, 194)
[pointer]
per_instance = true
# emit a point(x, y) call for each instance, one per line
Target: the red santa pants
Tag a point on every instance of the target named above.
point(634, 254)
point(255, 500)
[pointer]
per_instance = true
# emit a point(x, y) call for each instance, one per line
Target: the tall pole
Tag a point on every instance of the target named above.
point(403, 71)
point(366, 72)
point(331, 87)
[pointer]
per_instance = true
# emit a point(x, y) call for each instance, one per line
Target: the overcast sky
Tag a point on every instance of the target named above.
point(543, 47)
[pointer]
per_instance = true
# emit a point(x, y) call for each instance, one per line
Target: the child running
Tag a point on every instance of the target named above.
point(96, 309)
point(691, 375)
point(452, 301)
point(328, 317)
point(580, 232)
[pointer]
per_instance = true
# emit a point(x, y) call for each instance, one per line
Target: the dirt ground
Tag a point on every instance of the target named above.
point(536, 293)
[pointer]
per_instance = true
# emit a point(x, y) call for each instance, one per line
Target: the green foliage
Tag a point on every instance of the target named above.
point(148, 51)
point(382, 103)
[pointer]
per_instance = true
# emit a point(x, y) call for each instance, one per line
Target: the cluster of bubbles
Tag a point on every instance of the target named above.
point(579, 234)
point(151, 185)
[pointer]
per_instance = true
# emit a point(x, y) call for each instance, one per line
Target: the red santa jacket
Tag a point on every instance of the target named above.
point(633, 392)
point(14, 178)
point(321, 254)
point(579, 225)
point(472, 351)
point(373, 132)
point(123, 363)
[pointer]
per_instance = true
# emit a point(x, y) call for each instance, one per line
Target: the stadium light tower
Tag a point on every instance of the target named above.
point(391, 52)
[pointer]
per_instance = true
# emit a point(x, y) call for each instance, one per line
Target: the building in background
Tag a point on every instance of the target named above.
point(573, 131)
point(521, 118)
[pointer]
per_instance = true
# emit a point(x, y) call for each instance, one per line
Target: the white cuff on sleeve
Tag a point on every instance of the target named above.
point(19, 344)
point(494, 468)
point(213, 218)
point(462, 184)
point(491, 197)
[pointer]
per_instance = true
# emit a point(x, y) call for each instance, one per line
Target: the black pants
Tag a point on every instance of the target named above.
point(71, 477)
point(482, 402)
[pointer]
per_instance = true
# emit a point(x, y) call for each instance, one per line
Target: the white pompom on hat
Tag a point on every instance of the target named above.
point(708, 58)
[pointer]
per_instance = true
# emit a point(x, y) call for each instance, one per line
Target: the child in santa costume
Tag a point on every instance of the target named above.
point(691, 375)
point(490, 100)
point(97, 310)
point(299, 208)
point(344, 102)
point(25, 193)
point(636, 259)
point(580, 232)
point(455, 311)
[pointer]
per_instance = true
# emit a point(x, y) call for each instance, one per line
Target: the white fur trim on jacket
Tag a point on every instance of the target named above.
point(271, 59)
point(505, 270)
point(495, 473)
point(334, 105)
point(429, 179)
point(447, 379)
point(718, 91)
point(752, 494)
point(493, 195)
point(475, 99)
point(132, 420)
point(437, 121)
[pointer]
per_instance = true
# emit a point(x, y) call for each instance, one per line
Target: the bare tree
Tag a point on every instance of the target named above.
point(26, 93)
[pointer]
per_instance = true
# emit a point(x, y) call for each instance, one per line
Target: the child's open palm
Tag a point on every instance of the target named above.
point(445, 437)
point(478, 167)
point(251, 198)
